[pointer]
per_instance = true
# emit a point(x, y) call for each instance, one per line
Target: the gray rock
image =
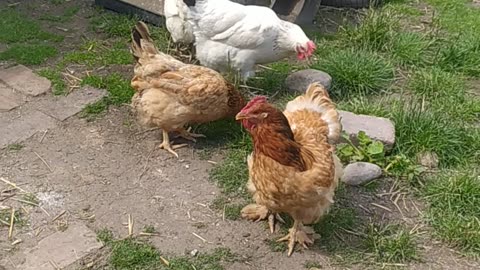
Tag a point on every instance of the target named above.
point(24, 80)
point(360, 172)
point(194, 252)
point(21, 124)
point(64, 107)
point(377, 128)
point(9, 98)
point(62, 248)
point(298, 82)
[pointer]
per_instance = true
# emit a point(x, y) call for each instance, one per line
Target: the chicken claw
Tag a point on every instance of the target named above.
point(167, 146)
point(259, 212)
point(299, 234)
point(187, 135)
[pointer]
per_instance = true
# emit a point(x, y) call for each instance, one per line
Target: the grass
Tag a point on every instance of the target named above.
point(15, 147)
point(453, 198)
point(390, 244)
point(29, 54)
point(131, 253)
point(356, 72)
point(96, 53)
point(66, 16)
point(59, 86)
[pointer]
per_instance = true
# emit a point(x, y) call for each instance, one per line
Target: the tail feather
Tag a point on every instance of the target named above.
point(316, 98)
point(141, 41)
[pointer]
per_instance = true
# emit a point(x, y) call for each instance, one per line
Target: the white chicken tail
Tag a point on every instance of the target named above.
point(317, 99)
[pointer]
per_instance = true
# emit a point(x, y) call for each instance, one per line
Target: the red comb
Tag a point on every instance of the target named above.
point(253, 101)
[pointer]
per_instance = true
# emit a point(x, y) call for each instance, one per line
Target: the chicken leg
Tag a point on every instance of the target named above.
point(166, 144)
point(187, 135)
point(298, 233)
point(259, 212)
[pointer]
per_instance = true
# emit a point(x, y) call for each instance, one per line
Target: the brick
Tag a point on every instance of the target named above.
point(63, 107)
point(18, 126)
point(62, 248)
point(377, 128)
point(9, 98)
point(24, 80)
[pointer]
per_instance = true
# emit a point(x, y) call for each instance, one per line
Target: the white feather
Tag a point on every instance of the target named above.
point(176, 20)
point(231, 35)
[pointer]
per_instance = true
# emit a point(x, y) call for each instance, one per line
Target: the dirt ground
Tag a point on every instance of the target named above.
point(101, 171)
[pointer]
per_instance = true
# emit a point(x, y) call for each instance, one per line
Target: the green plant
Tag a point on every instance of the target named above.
point(367, 150)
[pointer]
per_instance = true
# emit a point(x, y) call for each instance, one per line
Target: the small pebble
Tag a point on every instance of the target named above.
point(359, 173)
point(246, 234)
point(194, 252)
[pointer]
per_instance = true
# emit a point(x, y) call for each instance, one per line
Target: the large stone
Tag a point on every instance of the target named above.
point(24, 80)
point(9, 98)
point(63, 107)
point(360, 173)
point(61, 249)
point(378, 128)
point(299, 81)
point(22, 125)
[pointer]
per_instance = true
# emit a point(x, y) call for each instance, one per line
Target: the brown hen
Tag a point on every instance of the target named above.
point(171, 94)
point(293, 168)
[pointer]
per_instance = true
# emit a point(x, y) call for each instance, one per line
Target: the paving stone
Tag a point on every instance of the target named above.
point(62, 248)
point(9, 98)
point(63, 107)
point(18, 126)
point(360, 172)
point(298, 82)
point(377, 128)
point(23, 79)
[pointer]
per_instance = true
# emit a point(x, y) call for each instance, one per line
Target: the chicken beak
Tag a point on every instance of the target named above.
point(240, 116)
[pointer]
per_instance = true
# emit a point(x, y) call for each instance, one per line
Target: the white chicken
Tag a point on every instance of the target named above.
point(231, 35)
point(178, 26)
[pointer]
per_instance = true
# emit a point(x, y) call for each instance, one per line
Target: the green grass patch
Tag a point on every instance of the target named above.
point(356, 72)
point(17, 28)
point(95, 53)
point(119, 92)
point(231, 211)
point(408, 48)
point(29, 54)
point(132, 254)
point(454, 212)
point(59, 86)
point(390, 244)
point(15, 147)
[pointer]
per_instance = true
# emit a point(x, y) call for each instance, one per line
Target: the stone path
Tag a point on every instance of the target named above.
point(25, 107)
point(28, 107)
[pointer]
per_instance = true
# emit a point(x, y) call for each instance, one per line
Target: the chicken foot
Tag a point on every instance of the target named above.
point(167, 146)
point(187, 135)
point(298, 233)
point(258, 212)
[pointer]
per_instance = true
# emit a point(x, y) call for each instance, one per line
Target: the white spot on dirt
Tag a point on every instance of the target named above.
point(50, 199)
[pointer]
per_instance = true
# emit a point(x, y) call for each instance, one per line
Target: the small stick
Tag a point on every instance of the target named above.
point(164, 261)
point(24, 201)
point(146, 165)
point(4, 222)
point(43, 160)
point(12, 218)
point(381, 206)
point(199, 237)
point(43, 136)
point(59, 215)
point(13, 185)
point(130, 225)
point(212, 162)
point(364, 208)
point(54, 265)
point(18, 241)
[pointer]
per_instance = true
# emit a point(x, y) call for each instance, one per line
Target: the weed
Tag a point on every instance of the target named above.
point(15, 147)
point(276, 246)
point(454, 213)
point(461, 54)
point(59, 86)
point(209, 261)
point(133, 254)
point(312, 264)
point(149, 229)
point(18, 217)
point(390, 244)
point(17, 28)
point(409, 48)
point(29, 54)
point(356, 72)
point(105, 236)
point(66, 16)
point(367, 150)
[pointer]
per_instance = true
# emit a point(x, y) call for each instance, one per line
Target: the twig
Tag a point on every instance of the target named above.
point(146, 165)
point(54, 265)
point(16, 242)
point(43, 136)
point(13, 185)
point(43, 160)
point(212, 162)
point(382, 207)
point(12, 218)
point(199, 237)
point(27, 202)
point(130, 225)
point(59, 215)
point(164, 261)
